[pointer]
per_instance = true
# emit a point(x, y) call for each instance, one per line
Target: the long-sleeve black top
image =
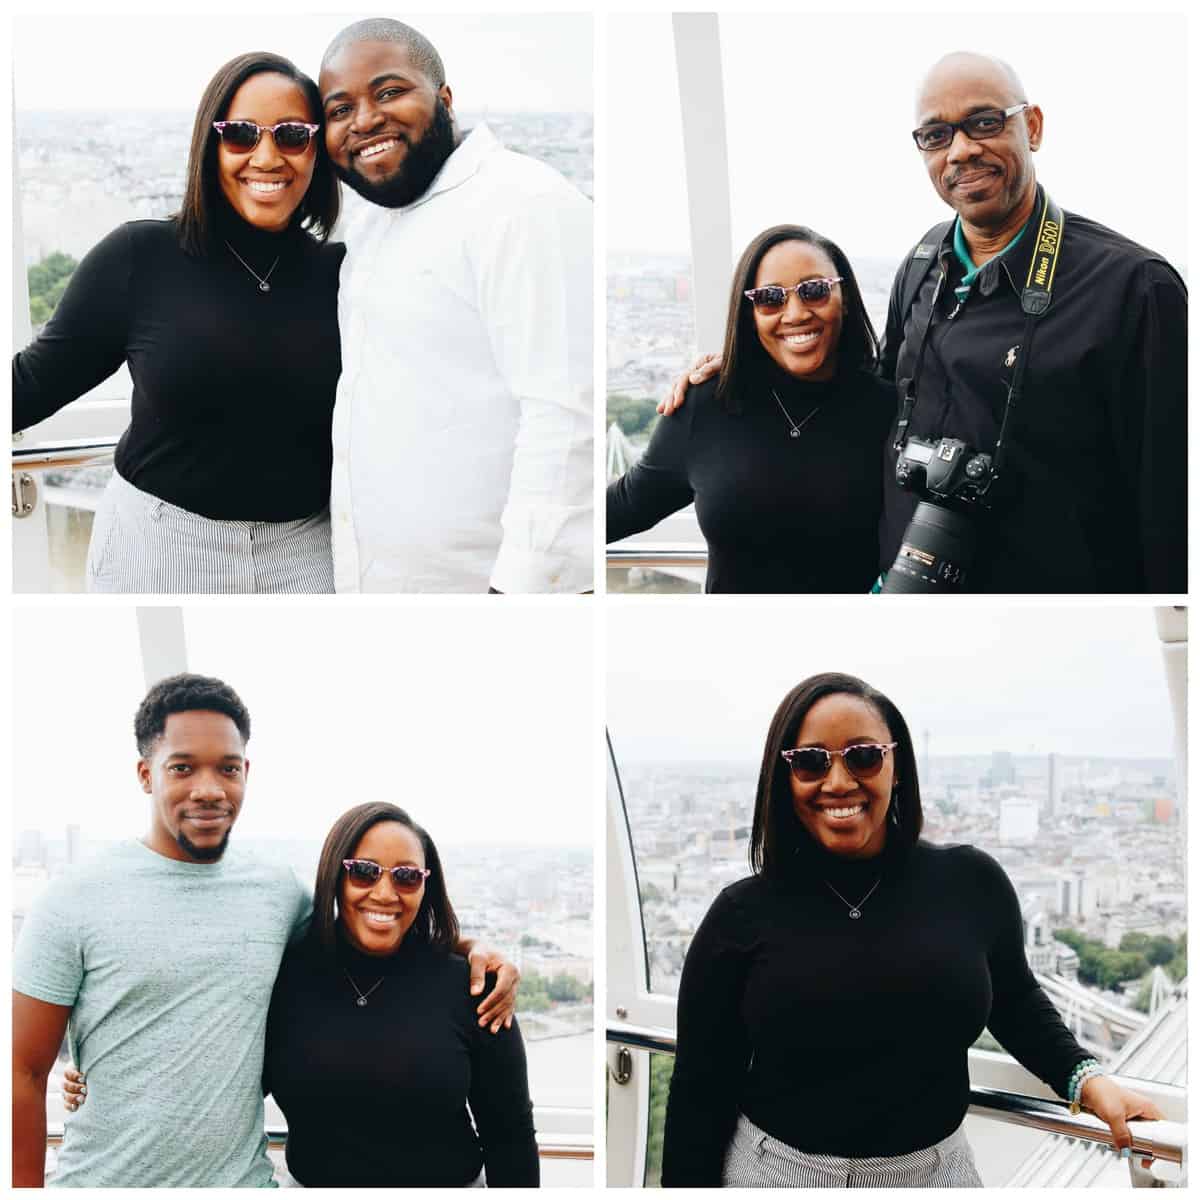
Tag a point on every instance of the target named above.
point(850, 1037)
point(779, 513)
point(1096, 495)
point(233, 388)
point(378, 1096)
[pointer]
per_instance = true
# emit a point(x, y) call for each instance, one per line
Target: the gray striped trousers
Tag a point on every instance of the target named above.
point(755, 1159)
point(143, 544)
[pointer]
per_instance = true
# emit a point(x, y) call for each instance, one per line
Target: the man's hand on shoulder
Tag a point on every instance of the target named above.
point(498, 1006)
point(705, 367)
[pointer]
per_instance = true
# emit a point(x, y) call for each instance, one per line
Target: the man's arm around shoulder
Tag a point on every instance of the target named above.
point(37, 1033)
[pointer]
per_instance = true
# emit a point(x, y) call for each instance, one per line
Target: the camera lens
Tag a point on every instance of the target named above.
point(935, 553)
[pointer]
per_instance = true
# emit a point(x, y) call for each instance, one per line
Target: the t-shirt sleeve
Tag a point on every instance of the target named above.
point(48, 961)
point(657, 485)
point(85, 340)
point(712, 1051)
point(501, 1107)
point(1022, 1018)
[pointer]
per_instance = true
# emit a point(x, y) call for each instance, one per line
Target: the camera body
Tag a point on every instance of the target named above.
point(948, 472)
point(953, 481)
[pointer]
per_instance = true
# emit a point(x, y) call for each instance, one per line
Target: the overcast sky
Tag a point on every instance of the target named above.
point(478, 720)
point(700, 681)
point(819, 108)
point(511, 62)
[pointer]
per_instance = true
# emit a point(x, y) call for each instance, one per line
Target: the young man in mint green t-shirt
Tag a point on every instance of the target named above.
point(158, 958)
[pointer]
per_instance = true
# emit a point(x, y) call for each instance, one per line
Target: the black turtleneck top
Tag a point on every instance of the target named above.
point(779, 513)
point(233, 388)
point(850, 1037)
point(378, 1096)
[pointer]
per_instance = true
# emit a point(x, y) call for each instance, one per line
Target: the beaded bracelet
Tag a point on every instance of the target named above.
point(1083, 1071)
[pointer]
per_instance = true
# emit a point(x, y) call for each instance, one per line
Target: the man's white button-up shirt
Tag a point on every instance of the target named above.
point(462, 435)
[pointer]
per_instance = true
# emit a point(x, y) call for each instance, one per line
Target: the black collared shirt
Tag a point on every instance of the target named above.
point(1096, 494)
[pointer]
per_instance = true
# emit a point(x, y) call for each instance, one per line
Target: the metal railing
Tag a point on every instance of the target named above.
point(656, 557)
point(1162, 1140)
point(558, 1146)
point(63, 455)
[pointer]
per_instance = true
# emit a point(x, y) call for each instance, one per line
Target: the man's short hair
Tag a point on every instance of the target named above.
point(186, 693)
point(383, 29)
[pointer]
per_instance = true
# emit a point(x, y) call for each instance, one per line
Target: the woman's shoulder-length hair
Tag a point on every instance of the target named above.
point(777, 835)
point(435, 923)
point(317, 211)
point(858, 347)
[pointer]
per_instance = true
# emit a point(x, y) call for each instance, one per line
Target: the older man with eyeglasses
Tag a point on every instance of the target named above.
point(1063, 456)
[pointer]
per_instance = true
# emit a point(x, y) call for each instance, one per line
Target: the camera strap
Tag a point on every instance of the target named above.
point(1035, 302)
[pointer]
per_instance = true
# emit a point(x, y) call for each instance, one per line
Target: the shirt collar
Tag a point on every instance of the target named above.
point(989, 273)
point(468, 157)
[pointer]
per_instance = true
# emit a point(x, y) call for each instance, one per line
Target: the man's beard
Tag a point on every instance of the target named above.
point(202, 853)
point(421, 164)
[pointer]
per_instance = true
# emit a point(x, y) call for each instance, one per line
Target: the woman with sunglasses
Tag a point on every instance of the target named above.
point(828, 1002)
point(226, 315)
point(374, 1051)
point(781, 451)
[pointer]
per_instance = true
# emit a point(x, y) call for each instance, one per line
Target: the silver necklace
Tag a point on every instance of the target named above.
point(795, 428)
point(362, 996)
point(855, 909)
point(263, 285)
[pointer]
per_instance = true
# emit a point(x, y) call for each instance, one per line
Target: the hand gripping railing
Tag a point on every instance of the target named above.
point(1162, 1140)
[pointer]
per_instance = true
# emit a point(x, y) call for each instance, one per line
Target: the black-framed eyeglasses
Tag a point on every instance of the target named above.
point(366, 873)
point(774, 295)
point(291, 137)
point(863, 761)
point(978, 127)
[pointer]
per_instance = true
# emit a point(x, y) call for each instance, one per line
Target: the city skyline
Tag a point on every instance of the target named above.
point(979, 675)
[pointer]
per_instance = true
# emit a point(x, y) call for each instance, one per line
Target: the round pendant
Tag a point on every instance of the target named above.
point(264, 286)
point(361, 1002)
point(794, 433)
point(854, 914)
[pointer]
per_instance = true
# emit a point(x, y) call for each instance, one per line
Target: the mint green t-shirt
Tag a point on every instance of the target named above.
point(168, 968)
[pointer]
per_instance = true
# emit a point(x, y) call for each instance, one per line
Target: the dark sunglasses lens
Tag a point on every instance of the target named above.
point(292, 137)
point(864, 761)
point(769, 297)
point(814, 290)
point(240, 135)
point(810, 764)
point(364, 872)
point(407, 879)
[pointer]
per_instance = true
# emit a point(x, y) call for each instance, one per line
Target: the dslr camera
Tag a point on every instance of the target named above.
point(953, 480)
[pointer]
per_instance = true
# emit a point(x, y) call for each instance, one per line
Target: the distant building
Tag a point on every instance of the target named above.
point(1054, 786)
point(1018, 819)
point(74, 845)
point(1163, 810)
point(1003, 772)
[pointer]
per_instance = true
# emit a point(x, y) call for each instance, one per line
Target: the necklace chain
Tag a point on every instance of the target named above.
point(795, 433)
point(362, 996)
point(263, 285)
point(855, 909)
